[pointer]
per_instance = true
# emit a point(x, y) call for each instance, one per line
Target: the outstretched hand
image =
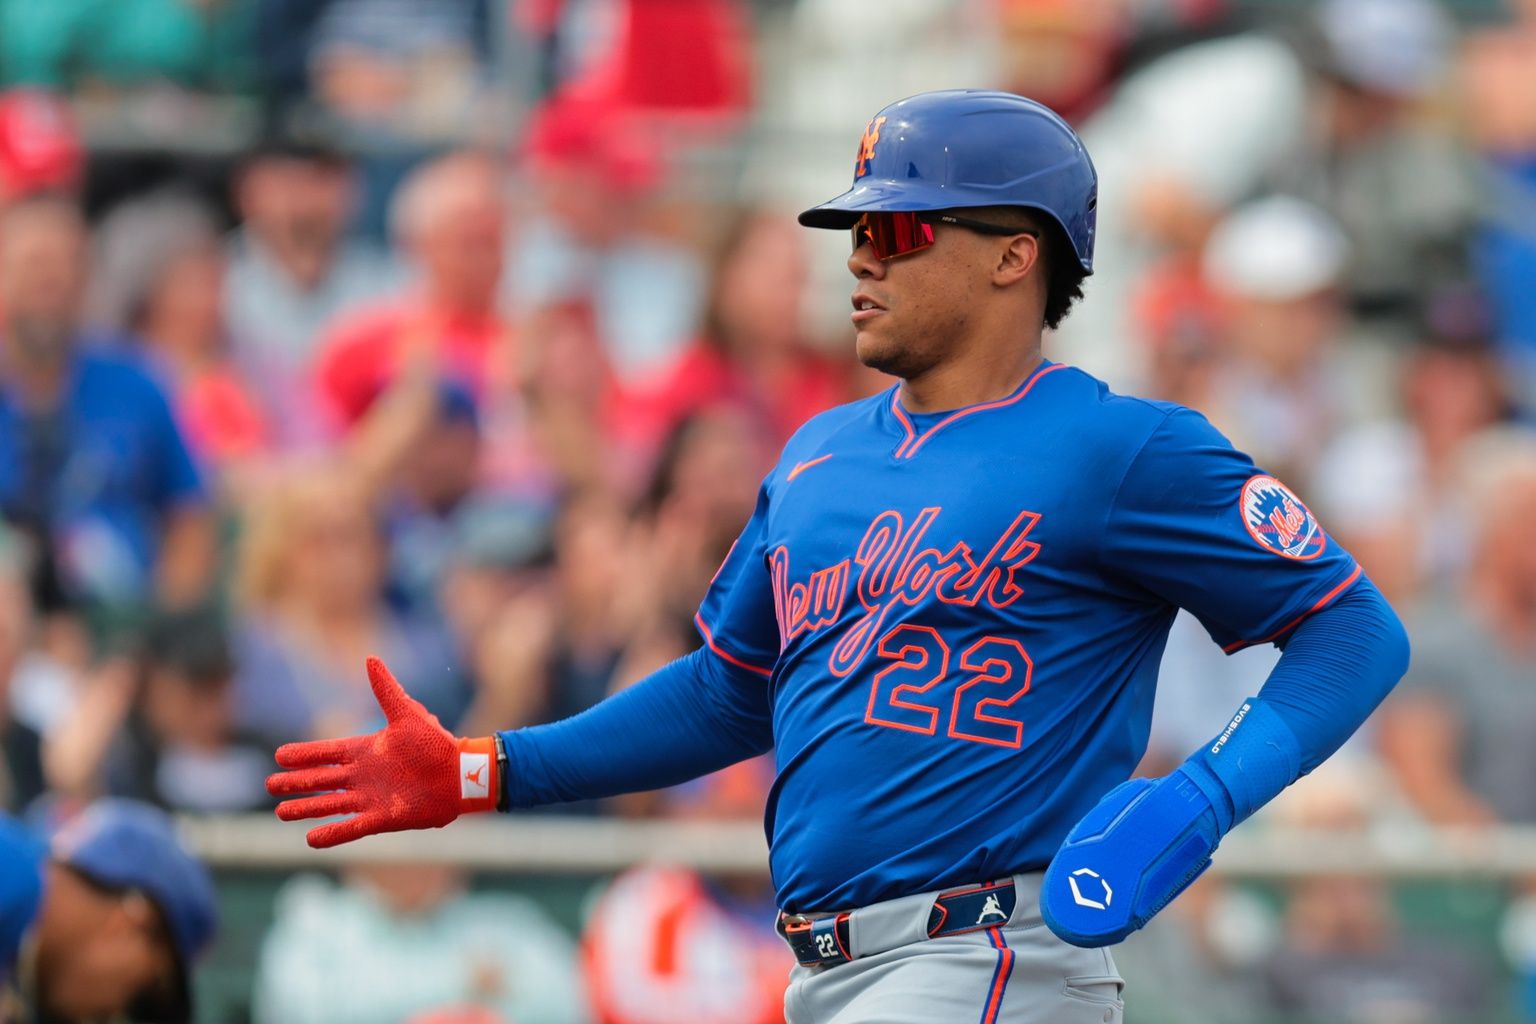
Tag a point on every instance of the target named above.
point(411, 774)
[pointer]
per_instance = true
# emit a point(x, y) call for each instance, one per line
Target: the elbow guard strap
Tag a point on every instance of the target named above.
point(1247, 765)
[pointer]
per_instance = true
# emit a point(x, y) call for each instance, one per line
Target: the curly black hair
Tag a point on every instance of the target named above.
point(1064, 275)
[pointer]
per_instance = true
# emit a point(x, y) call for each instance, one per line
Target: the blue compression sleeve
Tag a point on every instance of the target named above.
point(1338, 665)
point(1148, 839)
point(687, 719)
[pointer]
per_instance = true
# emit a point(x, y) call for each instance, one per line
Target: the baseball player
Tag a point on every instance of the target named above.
point(104, 922)
point(945, 617)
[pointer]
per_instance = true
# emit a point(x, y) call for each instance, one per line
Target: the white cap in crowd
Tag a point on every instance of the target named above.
point(1398, 47)
point(1275, 248)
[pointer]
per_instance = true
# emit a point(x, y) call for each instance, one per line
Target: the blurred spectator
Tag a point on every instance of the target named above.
point(104, 923)
point(756, 350)
point(912, 46)
point(703, 490)
point(1336, 117)
point(669, 59)
point(21, 770)
point(1389, 489)
point(413, 65)
point(311, 597)
point(450, 219)
point(160, 728)
point(1178, 323)
point(593, 232)
point(1345, 956)
point(400, 79)
point(201, 44)
point(393, 942)
point(1274, 267)
point(39, 151)
point(292, 271)
point(496, 593)
point(1062, 53)
point(1460, 733)
point(754, 356)
point(432, 482)
point(179, 747)
point(598, 608)
point(160, 275)
point(1179, 141)
point(628, 585)
point(1379, 158)
point(49, 692)
point(666, 944)
point(92, 463)
point(564, 383)
point(467, 562)
point(1498, 77)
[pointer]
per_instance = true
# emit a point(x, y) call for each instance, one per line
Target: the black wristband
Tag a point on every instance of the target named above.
point(501, 773)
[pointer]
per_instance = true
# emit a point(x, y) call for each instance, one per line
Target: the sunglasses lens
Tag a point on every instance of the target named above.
point(892, 234)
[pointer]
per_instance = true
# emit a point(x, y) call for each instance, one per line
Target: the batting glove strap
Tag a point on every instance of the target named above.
point(479, 775)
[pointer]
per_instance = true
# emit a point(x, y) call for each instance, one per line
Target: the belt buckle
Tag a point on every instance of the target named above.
point(816, 942)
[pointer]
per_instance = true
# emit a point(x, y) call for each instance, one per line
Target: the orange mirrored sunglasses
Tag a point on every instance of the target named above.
point(893, 233)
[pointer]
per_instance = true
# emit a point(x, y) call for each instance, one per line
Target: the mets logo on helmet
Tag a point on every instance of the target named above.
point(1278, 520)
point(867, 147)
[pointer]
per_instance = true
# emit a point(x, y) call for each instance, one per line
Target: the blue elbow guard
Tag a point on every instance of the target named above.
point(1148, 839)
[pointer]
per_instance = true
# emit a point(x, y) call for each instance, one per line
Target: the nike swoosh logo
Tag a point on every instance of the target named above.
point(801, 467)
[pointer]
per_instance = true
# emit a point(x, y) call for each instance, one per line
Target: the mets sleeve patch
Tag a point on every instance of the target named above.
point(1279, 521)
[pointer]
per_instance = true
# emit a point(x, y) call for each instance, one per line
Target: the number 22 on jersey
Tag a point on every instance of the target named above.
point(910, 692)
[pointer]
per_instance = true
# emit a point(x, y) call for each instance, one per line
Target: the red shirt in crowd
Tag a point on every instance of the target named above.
point(646, 411)
point(221, 418)
point(362, 354)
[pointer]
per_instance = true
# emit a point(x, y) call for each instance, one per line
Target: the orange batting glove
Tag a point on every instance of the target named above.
point(413, 773)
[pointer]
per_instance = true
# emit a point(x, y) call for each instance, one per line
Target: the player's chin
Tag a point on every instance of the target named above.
point(874, 348)
point(888, 355)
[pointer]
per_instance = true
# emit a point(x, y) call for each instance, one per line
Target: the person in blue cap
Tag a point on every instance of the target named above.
point(103, 923)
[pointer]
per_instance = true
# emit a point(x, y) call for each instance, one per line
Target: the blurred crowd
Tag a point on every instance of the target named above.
point(461, 332)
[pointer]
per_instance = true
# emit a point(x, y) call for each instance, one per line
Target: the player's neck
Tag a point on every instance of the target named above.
point(962, 381)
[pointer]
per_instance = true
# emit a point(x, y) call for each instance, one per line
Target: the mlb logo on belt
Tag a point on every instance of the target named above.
point(983, 906)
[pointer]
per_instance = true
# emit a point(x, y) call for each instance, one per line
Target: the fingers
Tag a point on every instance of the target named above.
point(324, 806)
point(340, 832)
point(387, 691)
point(309, 780)
point(316, 753)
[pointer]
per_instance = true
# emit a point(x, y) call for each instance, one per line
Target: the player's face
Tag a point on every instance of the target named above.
point(912, 311)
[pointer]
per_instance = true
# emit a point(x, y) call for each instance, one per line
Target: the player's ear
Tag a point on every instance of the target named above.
point(1016, 259)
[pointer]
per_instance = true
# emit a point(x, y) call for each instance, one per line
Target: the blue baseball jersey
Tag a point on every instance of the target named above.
point(101, 474)
point(22, 856)
point(959, 619)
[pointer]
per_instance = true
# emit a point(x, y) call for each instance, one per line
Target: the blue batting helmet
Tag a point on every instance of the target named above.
point(969, 147)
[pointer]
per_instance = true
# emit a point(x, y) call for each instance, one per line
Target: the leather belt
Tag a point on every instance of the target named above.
point(825, 940)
